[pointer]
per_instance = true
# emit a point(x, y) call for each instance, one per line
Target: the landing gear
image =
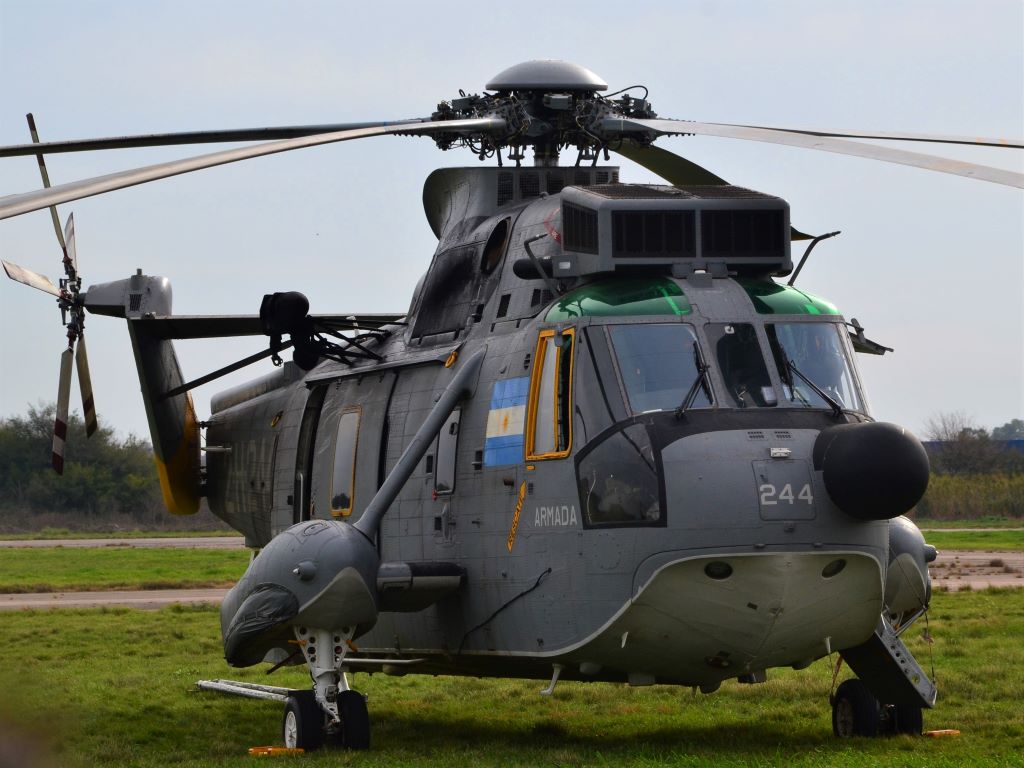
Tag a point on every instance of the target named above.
point(355, 720)
point(331, 709)
point(303, 725)
point(905, 719)
point(856, 712)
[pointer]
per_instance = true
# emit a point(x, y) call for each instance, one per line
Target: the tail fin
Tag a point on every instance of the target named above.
point(173, 427)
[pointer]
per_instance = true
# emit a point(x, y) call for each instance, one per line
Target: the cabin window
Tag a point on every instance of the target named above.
point(549, 423)
point(447, 443)
point(658, 364)
point(741, 364)
point(344, 477)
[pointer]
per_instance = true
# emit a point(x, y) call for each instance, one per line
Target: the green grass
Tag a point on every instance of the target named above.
point(979, 522)
point(995, 541)
point(115, 688)
point(48, 534)
point(52, 569)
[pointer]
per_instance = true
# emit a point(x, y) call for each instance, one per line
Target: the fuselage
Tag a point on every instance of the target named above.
point(633, 490)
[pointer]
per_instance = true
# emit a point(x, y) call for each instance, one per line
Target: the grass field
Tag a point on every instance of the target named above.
point(51, 569)
point(996, 541)
point(66, 533)
point(115, 687)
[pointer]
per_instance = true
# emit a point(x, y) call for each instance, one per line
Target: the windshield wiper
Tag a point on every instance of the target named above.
point(837, 409)
point(701, 382)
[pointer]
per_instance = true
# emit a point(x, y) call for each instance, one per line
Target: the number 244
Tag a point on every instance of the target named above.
point(770, 495)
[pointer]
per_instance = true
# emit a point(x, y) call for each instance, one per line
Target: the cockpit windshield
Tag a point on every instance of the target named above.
point(659, 363)
point(812, 357)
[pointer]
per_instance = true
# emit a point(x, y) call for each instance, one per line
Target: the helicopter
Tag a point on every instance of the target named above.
point(606, 441)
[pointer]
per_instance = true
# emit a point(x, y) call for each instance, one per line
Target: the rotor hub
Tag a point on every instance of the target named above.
point(548, 105)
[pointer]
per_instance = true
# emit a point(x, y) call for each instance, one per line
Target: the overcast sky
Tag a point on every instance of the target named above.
point(931, 264)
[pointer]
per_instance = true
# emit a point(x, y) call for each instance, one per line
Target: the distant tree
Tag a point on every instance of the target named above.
point(1011, 430)
point(960, 447)
point(101, 474)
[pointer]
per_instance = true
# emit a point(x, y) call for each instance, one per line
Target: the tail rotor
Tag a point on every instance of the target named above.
point(72, 309)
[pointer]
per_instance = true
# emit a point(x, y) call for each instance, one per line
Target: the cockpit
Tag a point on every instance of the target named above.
point(651, 368)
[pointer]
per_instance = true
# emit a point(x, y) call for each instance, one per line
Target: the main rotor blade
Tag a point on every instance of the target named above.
point(85, 384)
point(973, 141)
point(28, 277)
point(678, 171)
point(826, 144)
point(46, 179)
point(15, 205)
point(193, 137)
point(60, 421)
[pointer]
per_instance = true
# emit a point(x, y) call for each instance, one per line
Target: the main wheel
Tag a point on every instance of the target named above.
point(907, 719)
point(355, 720)
point(303, 725)
point(854, 711)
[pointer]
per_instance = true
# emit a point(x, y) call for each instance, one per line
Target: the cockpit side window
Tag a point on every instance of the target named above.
point(549, 417)
point(811, 357)
point(741, 364)
point(618, 480)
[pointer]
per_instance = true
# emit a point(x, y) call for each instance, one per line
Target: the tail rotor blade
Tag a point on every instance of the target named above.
point(85, 384)
point(69, 245)
point(60, 422)
point(30, 278)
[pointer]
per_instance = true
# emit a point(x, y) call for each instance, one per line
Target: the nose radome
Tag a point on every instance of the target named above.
point(872, 471)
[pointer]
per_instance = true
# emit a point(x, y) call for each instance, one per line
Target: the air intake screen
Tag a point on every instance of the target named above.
point(745, 233)
point(579, 228)
point(668, 234)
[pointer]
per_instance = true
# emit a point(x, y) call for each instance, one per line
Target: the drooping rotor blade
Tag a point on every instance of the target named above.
point(974, 141)
point(28, 277)
point(46, 179)
point(678, 171)
point(194, 137)
point(15, 205)
point(69, 248)
point(824, 143)
point(60, 421)
point(85, 384)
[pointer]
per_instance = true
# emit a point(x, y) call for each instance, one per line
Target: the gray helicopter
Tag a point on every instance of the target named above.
point(606, 441)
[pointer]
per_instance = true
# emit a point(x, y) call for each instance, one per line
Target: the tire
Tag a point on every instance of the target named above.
point(303, 724)
point(355, 720)
point(854, 711)
point(907, 720)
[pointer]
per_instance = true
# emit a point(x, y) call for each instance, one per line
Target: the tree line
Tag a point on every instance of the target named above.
point(103, 475)
point(957, 446)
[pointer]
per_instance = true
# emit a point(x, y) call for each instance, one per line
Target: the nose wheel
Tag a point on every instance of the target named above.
point(303, 726)
point(331, 711)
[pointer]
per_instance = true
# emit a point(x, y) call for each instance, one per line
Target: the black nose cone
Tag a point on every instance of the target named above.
point(872, 471)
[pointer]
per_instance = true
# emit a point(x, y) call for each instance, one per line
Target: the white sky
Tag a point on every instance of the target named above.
point(932, 265)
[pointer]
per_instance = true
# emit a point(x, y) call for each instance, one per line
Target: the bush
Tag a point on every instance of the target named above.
point(967, 497)
point(102, 474)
